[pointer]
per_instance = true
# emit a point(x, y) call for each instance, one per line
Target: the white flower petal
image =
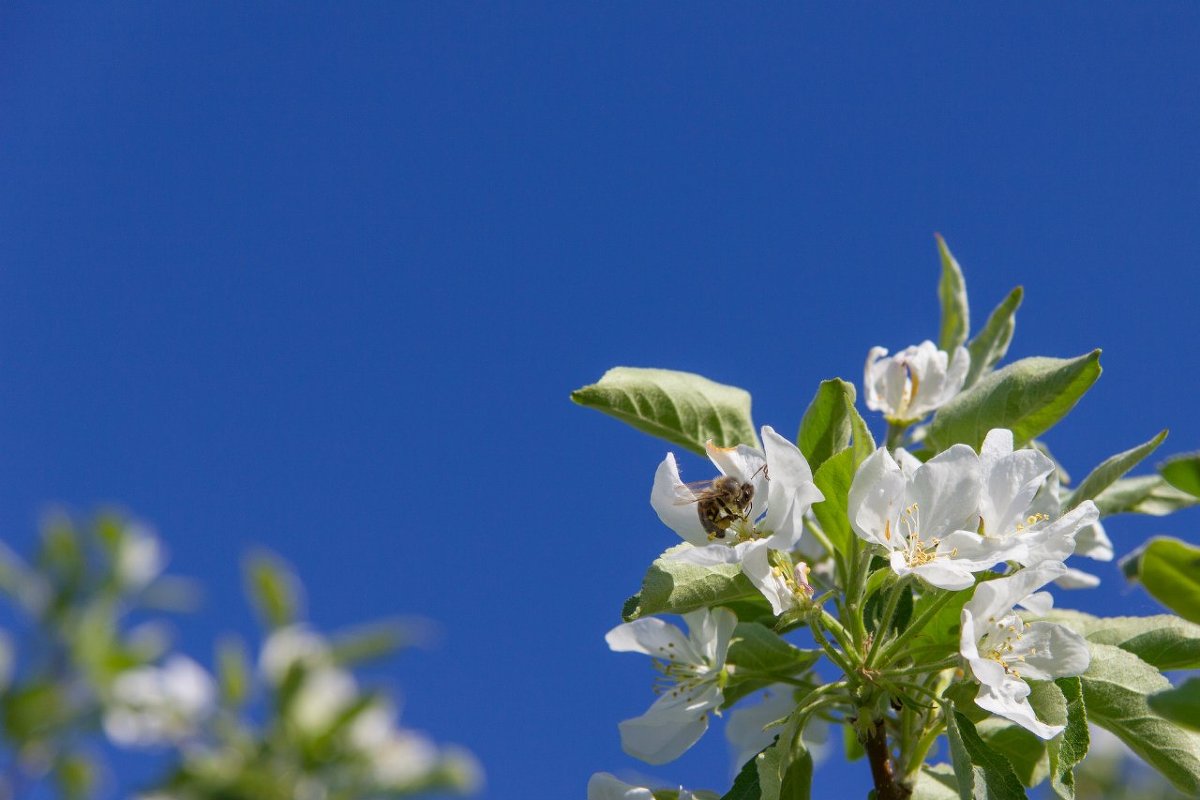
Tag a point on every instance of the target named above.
point(1093, 542)
point(710, 631)
point(945, 574)
point(1009, 701)
point(1077, 579)
point(675, 503)
point(653, 637)
point(663, 733)
point(757, 568)
point(790, 490)
point(876, 494)
point(741, 461)
point(946, 491)
point(1057, 652)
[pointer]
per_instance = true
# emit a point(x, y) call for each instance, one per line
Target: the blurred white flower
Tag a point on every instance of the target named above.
point(747, 733)
point(914, 382)
point(140, 557)
point(321, 698)
point(294, 644)
point(603, 786)
point(152, 706)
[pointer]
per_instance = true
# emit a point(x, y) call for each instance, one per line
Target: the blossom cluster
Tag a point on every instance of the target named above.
point(988, 525)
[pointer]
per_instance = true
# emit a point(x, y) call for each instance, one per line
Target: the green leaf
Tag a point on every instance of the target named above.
point(233, 671)
point(1170, 571)
point(783, 775)
point(981, 772)
point(676, 587)
point(1023, 750)
point(273, 588)
point(757, 648)
point(1146, 494)
point(746, 785)
point(1067, 749)
point(1028, 397)
point(1183, 472)
point(936, 782)
point(774, 774)
point(376, 640)
point(681, 407)
point(952, 292)
point(991, 343)
point(825, 428)
point(762, 658)
point(1180, 705)
point(1115, 688)
point(1164, 640)
point(1110, 470)
point(834, 479)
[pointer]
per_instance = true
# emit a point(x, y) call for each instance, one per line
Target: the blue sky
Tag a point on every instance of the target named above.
point(322, 277)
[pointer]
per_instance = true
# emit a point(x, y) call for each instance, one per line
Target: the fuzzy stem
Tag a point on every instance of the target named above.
point(885, 621)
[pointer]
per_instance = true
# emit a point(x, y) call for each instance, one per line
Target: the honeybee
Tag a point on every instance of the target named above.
point(720, 502)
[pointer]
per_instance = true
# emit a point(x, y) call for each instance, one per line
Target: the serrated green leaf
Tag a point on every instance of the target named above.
point(676, 587)
point(1061, 703)
point(1067, 749)
point(952, 294)
point(1170, 571)
point(1115, 688)
point(1183, 472)
point(1164, 640)
point(1110, 470)
point(936, 782)
point(1028, 397)
point(991, 343)
point(1145, 494)
point(684, 408)
point(981, 773)
point(1181, 705)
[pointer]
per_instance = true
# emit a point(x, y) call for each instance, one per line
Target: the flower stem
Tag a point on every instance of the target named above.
point(820, 615)
point(885, 621)
point(895, 435)
point(914, 627)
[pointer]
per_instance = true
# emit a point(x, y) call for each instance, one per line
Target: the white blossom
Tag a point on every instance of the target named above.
point(785, 588)
point(152, 706)
point(1003, 651)
point(1019, 507)
point(778, 492)
point(692, 667)
point(914, 382)
point(924, 515)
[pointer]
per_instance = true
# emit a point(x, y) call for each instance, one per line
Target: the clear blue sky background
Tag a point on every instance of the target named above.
point(321, 277)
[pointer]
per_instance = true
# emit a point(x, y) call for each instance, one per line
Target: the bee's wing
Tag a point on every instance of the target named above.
point(698, 489)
